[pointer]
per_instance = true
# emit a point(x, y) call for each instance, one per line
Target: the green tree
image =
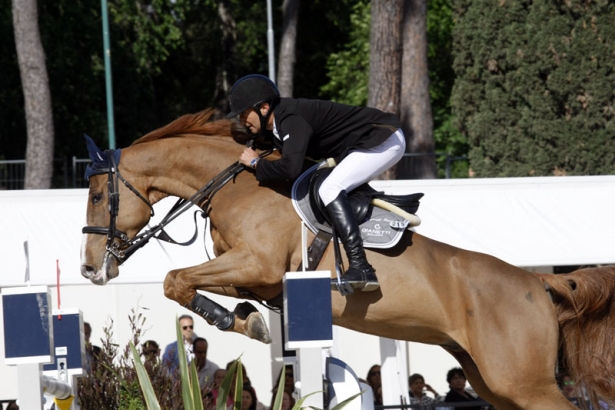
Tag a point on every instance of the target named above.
point(534, 91)
point(348, 69)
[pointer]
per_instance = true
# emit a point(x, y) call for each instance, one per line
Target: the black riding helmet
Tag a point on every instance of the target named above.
point(250, 92)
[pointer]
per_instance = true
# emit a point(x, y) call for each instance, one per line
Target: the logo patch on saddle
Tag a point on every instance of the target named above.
point(379, 228)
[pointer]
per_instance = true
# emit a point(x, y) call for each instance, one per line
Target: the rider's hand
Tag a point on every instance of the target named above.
point(247, 155)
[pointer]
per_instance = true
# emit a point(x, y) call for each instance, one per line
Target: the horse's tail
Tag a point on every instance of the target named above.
point(584, 301)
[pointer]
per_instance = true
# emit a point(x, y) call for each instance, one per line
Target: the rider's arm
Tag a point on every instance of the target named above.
point(294, 133)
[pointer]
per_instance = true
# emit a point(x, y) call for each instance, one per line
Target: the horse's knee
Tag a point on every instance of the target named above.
point(183, 289)
point(169, 285)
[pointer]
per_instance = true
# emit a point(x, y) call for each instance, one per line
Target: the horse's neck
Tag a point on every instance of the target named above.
point(177, 166)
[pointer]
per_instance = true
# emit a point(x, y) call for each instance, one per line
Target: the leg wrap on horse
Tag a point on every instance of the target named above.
point(212, 312)
point(360, 274)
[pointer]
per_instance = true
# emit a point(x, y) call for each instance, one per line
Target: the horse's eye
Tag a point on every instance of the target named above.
point(96, 198)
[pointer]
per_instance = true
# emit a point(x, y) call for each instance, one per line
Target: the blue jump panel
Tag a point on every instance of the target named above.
point(28, 331)
point(307, 309)
point(67, 340)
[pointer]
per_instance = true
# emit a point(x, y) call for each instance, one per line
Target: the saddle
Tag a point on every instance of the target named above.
point(380, 228)
point(360, 199)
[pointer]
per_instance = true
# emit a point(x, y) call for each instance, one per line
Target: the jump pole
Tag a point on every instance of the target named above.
point(308, 326)
point(308, 329)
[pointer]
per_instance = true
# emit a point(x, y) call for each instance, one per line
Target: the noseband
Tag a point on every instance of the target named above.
point(123, 249)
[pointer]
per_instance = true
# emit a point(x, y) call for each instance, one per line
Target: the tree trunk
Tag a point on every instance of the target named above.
point(227, 74)
point(37, 96)
point(415, 107)
point(286, 62)
point(385, 60)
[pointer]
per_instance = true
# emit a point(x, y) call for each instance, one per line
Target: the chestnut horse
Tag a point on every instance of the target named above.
point(503, 324)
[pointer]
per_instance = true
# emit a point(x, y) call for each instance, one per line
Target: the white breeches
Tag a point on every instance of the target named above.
point(362, 166)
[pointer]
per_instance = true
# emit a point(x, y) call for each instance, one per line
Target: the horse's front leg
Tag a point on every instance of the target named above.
point(235, 268)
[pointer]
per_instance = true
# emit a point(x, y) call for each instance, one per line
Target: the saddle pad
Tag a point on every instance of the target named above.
point(383, 230)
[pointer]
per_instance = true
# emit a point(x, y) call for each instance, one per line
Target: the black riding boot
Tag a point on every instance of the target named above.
point(360, 274)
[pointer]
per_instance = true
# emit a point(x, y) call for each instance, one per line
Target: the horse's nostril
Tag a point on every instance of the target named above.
point(87, 270)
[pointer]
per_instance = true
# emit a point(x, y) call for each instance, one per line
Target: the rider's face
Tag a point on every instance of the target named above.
point(249, 119)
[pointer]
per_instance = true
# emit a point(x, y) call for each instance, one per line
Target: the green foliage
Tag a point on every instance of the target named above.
point(534, 90)
point(448, 139)
point(348, 73)
point(114, 382)
point(144, 381)
point(151, 30)
point(167, 59)
point(348, 70)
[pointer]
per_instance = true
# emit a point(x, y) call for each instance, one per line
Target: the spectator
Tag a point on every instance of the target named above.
point(218, 378)
point(374, 380)
point(417, 385)
point(215, 387)
point(456, 379)
point(287, 399)
point(150, 352)
point(248, 398)
point(289, 378)
point(92, 352)
point(244, 373)
point(169, 358)
point(12, 405)
point(204, 367)
point(568, 387)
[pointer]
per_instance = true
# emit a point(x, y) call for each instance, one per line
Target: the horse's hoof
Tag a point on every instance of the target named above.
point(256, 328)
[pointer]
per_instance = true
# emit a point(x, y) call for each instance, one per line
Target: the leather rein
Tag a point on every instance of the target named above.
point(123, 249)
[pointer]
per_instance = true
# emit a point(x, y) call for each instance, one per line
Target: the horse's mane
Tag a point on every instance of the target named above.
point(199, 123)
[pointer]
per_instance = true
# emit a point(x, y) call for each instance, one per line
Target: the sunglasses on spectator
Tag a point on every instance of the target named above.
point(148, 352)
point(376, 373)
point(188, 327)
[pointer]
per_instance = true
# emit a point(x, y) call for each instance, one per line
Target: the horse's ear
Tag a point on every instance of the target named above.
point(95, 153)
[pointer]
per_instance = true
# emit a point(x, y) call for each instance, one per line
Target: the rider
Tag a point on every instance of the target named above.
point(364, 142)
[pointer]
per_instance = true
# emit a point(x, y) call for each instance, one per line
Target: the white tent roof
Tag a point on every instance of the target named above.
point(541, 221)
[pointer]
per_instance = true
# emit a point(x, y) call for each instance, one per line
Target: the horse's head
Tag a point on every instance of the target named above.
point(112, 225)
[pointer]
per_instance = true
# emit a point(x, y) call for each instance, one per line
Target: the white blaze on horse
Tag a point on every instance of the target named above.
point(503, 324)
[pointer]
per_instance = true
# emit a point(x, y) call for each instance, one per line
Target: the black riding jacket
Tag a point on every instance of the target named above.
point(321, 129)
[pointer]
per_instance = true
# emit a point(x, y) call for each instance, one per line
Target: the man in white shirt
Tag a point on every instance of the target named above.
point(169, 358)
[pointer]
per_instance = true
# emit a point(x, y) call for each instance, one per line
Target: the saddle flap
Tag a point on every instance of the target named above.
point(359, 203)
point(380, 228)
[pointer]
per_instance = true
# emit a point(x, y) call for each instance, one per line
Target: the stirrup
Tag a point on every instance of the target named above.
point(355, 279)
point(344, 288)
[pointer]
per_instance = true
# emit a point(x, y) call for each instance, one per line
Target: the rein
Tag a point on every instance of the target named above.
point(126, 247)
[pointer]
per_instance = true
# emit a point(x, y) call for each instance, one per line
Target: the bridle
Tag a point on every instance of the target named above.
point(123, 249)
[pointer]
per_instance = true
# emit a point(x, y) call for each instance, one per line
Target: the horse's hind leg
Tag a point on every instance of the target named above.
point(530, 397)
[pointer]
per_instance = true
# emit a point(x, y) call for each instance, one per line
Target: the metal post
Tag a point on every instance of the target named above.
point(270, 45)
point(30, 386)
point(108, 82)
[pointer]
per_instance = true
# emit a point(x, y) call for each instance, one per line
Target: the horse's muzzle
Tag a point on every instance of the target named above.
point(107, 271)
